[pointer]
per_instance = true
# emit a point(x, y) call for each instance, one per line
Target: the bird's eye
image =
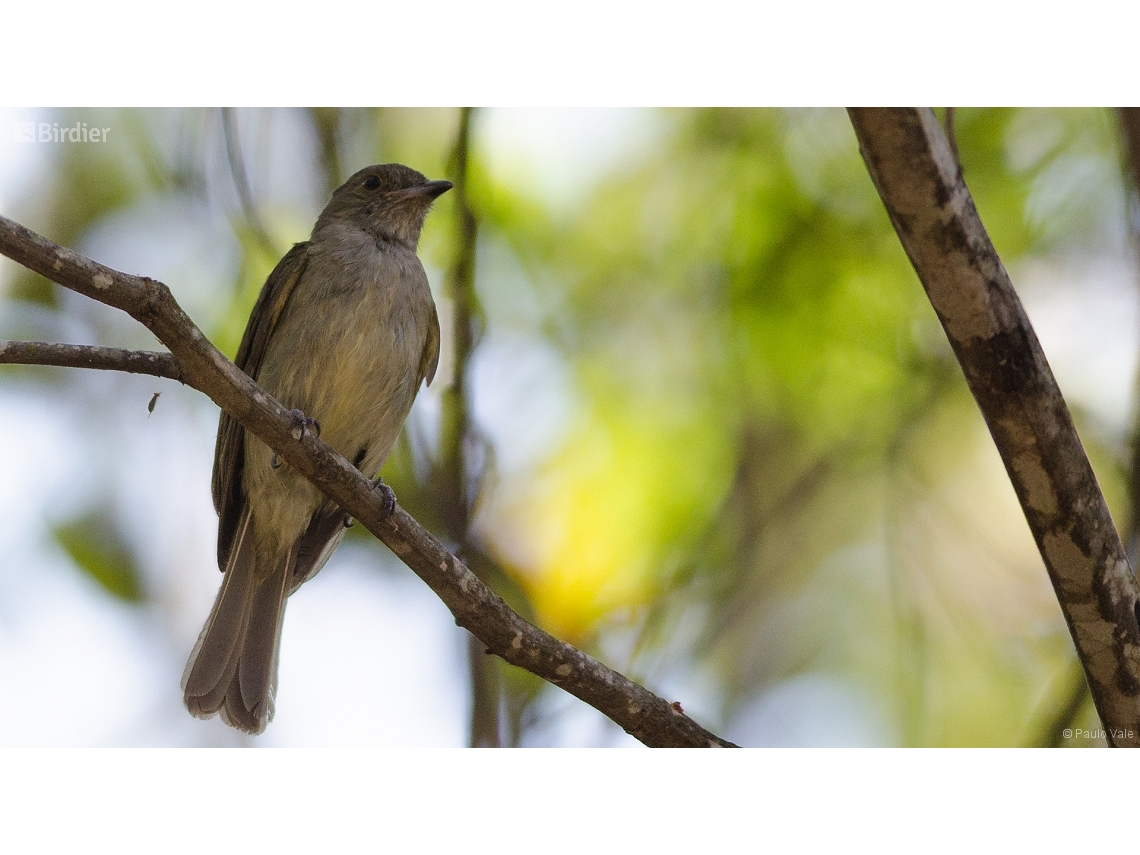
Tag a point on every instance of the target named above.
point(371, 183)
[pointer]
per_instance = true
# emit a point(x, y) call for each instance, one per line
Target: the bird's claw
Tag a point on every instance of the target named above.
point(302, 425)
point(386, 496)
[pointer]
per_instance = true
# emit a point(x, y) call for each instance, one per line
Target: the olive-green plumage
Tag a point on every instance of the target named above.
point(344, 331)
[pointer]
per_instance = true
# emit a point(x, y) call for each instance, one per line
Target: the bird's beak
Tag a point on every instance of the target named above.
point(432, 190)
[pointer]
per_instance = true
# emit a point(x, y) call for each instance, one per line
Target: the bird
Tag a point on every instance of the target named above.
point(343, 334)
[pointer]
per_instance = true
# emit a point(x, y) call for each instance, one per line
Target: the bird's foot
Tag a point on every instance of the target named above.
point(302, 425)
point(386, 496)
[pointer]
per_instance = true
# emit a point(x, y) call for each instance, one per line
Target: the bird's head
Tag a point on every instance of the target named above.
point(389, 201)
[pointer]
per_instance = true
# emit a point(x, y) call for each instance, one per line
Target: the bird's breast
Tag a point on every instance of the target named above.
point(347, 350)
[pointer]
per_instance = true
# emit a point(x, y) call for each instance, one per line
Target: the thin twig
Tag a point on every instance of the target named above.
point(1130, 127)
point(467, 328)
point(151, 362)
point(241, 181)
point(1064, 707)
point(644, 715)
point(458, 436)
point(326, 124)
point(914, 170)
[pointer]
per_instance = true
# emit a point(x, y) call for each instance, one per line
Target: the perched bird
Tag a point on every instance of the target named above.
point(343, 332)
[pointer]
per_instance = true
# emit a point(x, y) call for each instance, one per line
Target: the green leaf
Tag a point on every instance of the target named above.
point(97, 548)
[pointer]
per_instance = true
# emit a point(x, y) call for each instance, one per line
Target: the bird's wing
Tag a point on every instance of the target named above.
point(229, 452)
point(429, 359)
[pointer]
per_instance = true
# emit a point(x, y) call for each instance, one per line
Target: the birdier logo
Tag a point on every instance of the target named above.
point(30, 132)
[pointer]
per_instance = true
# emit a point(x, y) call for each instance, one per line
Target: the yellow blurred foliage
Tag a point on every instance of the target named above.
point(600, 511)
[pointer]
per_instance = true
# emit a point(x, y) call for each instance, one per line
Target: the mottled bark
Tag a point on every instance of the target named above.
point(154, 363)
point(917, 176)
point(638, 711)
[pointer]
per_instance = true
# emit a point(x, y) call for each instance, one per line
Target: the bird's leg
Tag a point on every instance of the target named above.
point(302, 425)
point(386, 496)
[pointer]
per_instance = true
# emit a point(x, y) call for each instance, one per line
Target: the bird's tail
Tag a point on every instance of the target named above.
point(233, 669)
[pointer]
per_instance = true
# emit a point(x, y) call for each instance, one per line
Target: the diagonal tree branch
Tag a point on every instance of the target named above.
point(920, 182)
point(647, 717)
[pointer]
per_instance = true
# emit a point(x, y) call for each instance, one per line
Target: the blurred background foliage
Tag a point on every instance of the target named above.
point(714, 433)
